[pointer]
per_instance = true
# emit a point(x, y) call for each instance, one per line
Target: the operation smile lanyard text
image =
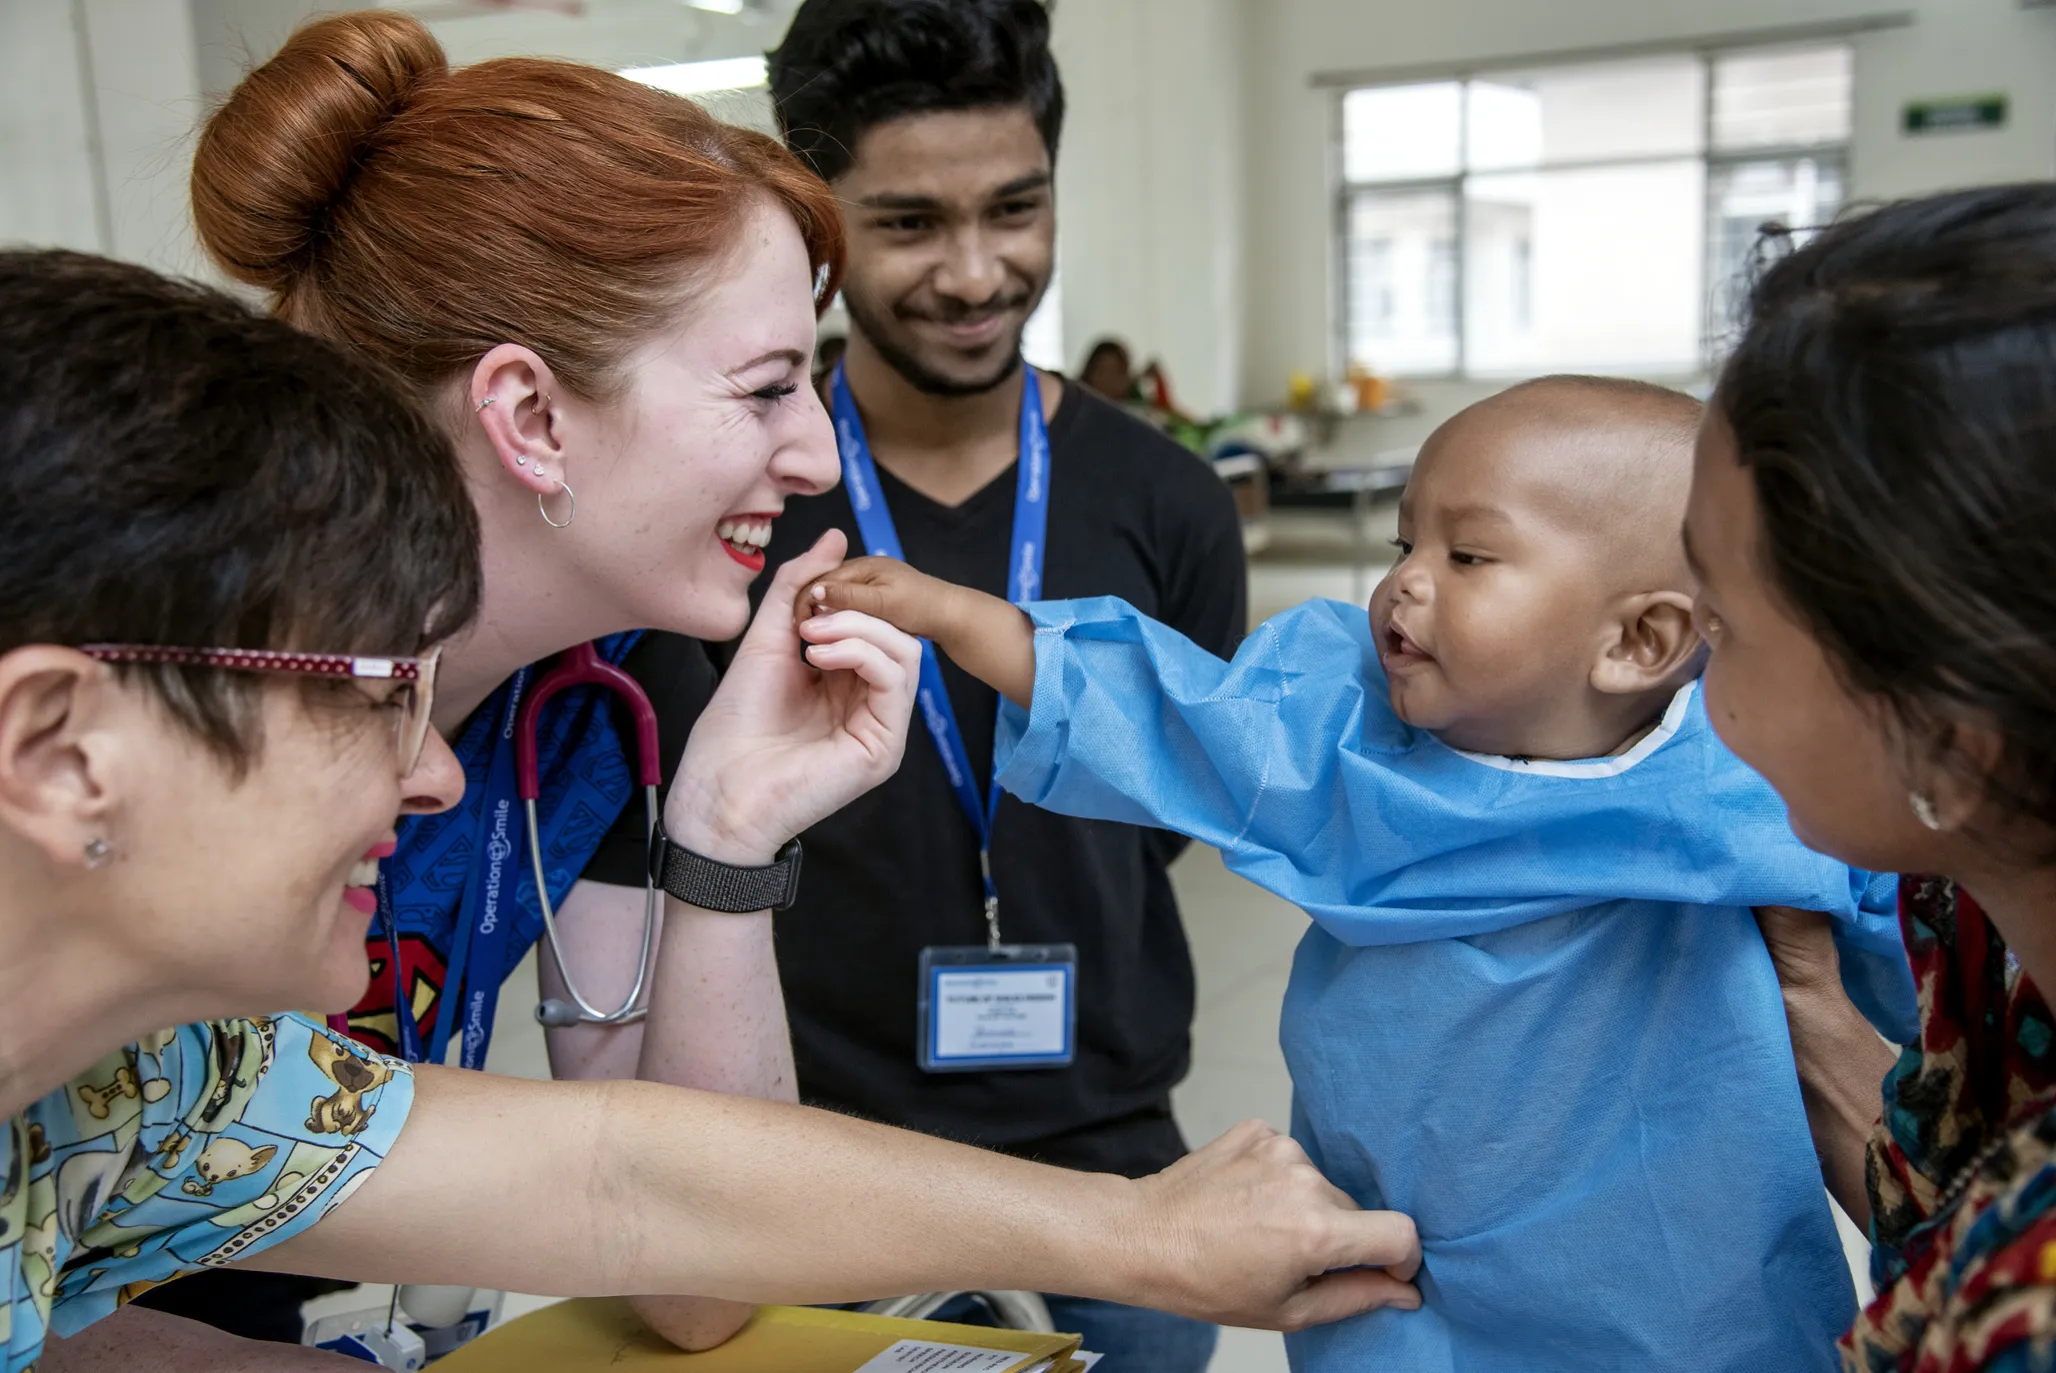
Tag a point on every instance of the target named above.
point(1024, 584)
point(483, 927)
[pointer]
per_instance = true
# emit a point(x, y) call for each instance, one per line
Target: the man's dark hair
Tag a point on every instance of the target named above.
point(180, 470)
point(1894, 399)
point(848, 65)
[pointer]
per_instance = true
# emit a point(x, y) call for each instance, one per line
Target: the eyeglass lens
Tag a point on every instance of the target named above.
point(414, 720)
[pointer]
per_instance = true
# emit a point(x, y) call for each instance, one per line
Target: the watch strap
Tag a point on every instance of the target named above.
point(701, 881)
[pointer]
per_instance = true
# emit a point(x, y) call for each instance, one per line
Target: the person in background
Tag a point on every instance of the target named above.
point(1109, 371)
point(827, 357)
point(233, 554)
point(936, 122)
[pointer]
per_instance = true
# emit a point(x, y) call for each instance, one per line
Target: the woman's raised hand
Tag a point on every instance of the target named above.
point(799, 728)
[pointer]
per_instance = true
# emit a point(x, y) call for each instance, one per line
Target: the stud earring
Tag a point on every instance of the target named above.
point(521, 459)
point(1924, 810)
point(98, 851)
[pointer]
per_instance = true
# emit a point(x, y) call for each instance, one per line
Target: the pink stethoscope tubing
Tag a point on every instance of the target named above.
point(583, 666)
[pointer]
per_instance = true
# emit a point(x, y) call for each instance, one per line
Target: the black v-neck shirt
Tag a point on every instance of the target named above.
point(1132, 515)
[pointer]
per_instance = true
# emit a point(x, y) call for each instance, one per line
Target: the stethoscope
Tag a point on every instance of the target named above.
point(582, 666)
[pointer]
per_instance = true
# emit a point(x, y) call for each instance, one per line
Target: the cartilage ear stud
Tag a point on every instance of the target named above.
point(521, 459)
point(481, 405)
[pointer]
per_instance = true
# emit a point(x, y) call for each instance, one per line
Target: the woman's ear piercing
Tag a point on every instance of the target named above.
point(1924, 810)
point(569, 495)
point(481, 405)
point(98, 851)
point(521, 459)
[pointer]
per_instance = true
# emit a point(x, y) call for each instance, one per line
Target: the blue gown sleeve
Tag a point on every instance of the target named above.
point(1289, 760)
point(1136, 723)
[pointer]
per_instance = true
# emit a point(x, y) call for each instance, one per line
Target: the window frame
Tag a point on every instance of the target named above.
point(1712, 160)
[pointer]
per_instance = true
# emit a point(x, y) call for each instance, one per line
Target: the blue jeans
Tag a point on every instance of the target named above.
point(1133, 1338)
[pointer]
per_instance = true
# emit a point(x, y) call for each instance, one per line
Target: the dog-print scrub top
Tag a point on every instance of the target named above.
point(192, 1148)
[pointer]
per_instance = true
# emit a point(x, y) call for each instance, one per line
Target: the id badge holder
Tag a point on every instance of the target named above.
point(990, 1008)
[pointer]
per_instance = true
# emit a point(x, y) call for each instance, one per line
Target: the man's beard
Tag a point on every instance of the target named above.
point(923, 379)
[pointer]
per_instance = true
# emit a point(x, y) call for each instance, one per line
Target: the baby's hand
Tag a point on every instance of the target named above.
point(988, 638)
point(883, 588)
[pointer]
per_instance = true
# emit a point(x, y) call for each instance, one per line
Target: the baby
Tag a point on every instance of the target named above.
point(1534, 1010)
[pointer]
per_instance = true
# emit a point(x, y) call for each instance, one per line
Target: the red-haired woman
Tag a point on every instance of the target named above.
point(607, 299)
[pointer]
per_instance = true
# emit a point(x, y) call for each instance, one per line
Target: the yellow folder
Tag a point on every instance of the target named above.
point(574, 1336)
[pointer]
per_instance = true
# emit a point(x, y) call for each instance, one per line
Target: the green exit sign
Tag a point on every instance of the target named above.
point(1956, 114)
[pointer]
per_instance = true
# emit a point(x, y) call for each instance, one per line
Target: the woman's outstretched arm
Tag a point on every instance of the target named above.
point(579, 1189)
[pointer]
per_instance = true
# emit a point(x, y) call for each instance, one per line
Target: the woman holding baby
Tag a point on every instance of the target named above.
point(1873, 520)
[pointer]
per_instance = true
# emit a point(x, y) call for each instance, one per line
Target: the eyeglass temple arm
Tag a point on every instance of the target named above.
point(583, 666)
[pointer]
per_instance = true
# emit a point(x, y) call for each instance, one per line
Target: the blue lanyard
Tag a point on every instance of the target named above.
point(485, 919)
point(1024, 584)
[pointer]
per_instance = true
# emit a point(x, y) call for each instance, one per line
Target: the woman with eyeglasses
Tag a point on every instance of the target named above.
point(228, 554)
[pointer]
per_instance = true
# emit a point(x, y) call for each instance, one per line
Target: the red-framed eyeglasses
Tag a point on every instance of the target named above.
point(413, 678)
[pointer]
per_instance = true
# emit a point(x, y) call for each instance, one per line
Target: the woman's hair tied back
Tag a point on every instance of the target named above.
point(1894, 399)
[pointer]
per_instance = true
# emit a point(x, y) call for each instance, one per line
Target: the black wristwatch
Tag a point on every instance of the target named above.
point(700, 881)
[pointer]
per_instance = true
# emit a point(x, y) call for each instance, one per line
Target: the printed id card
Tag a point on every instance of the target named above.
point(984, 1009)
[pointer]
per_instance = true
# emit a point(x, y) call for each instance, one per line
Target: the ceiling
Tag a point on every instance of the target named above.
point(612, 33)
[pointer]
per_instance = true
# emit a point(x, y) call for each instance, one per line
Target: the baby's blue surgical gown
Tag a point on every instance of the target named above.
point(1534, 1011)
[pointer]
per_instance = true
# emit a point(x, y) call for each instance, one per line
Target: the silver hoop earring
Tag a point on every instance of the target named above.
point(481, 405)
point(1924, 810)
point(565, 487)
point(98, 851)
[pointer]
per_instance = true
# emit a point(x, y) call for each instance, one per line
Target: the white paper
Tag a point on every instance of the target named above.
point(1088, 1360)
point(1001, 1013)
point(925, 1356)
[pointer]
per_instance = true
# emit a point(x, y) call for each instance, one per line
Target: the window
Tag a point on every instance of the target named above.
point(1596, 216)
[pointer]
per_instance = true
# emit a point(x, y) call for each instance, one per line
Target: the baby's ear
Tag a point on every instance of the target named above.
point(1655, 644)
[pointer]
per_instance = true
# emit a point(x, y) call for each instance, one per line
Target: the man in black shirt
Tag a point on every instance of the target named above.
point(937, 122)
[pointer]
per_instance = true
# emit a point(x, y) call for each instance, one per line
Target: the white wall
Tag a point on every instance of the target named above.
point(1194, 187)
point(1953, 47)
point(97, 102)
point(48, 191)
point(100, 100)
point(1149, 182)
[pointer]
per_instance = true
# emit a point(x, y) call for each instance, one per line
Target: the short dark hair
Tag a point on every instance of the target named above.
point(846, 66)
point(1894, 398)
point(181, 470)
